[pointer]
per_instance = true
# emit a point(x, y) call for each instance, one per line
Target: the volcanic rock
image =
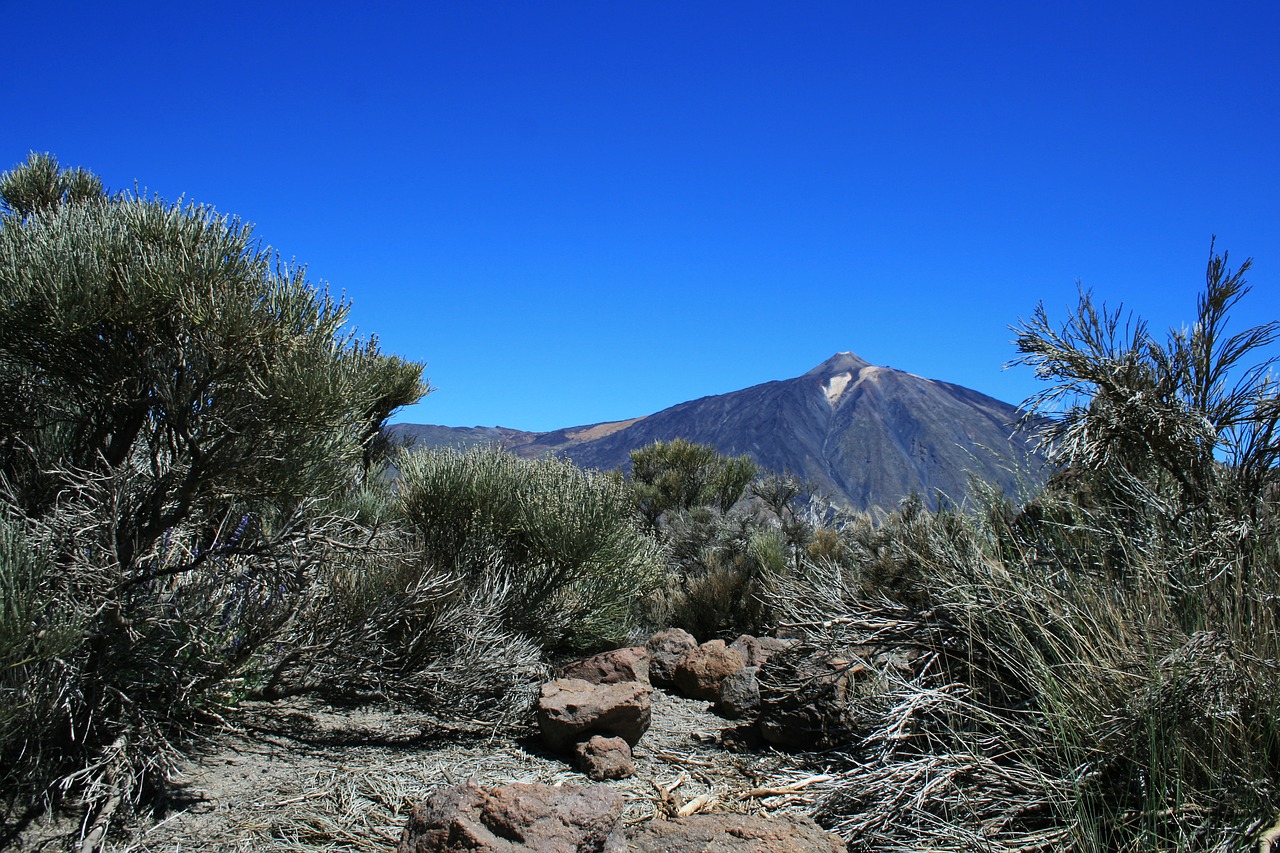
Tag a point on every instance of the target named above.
point(518, 818)
point(570, 709)
point(629, 664)
point(603, 758)
point(665, 650)
point(733, 833)
point(739, 693)
point(700, 670)
point(756, 650)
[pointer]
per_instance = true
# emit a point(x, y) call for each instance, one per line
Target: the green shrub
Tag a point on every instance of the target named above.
point(184, 415)
point(382, 623)
point(719, 567)
point(40, 632)
point(565, 540)
point(680, 475)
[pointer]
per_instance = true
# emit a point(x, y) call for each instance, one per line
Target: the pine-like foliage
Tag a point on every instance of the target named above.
point(182, 415)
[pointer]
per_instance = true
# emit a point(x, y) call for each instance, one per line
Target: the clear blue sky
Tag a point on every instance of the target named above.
point(586, 211)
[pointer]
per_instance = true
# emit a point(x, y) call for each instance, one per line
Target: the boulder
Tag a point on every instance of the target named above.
point(665, 650)
point(700, 670)
point(805, 696)
point(570, 710)
point(629, 664)
point(604, 758)
point(733, 833)
point(739, 693)
point(756, 650)
point(518, 817)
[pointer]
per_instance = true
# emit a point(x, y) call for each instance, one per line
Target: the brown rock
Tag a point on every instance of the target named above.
point(805, 698)
point(570, 709)
point(700, 670)
point(733, 833)
point(604, 758)
point(739, 693)
point(629, 664)
point(519, 817)
point(665, 650)
point(756, 650)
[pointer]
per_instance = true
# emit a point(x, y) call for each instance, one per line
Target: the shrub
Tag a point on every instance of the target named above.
point(719, 566)
point(727, 534)
point(183, 416)
point(566, 540)
point(681, 475)
point(380, 622)
point(1095, 672)
point(383, 625)
point(40, 633)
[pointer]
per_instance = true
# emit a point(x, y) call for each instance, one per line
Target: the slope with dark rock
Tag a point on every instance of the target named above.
point(864, 435)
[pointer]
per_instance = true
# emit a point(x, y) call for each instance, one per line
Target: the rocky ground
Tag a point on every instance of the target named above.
point(304, 776)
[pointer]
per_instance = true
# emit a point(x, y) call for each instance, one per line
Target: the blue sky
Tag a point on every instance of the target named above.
point(585, 211)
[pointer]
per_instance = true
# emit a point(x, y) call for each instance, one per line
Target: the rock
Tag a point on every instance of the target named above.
point(739, 693)
point(700, 670)
point(570, 709)
point(805, 696)
point(629, 664)
point(665, 650)
point(756, 650)
point(734, 833)
point(604, 758)
point(518, 817)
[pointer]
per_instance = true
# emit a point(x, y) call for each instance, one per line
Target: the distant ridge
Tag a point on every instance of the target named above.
point(864, 435)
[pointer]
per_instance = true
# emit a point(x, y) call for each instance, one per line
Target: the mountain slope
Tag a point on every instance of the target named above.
point(863, 435)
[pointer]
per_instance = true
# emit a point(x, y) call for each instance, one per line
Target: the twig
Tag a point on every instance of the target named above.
point(679, 759)
point(1268, 839)
point(94, 837)
point(780, 790)
point(298, 799)
point(696, 805)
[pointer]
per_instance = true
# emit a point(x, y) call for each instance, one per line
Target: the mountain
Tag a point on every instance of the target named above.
point(863, 435)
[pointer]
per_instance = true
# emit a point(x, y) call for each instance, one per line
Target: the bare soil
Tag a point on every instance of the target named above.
point(306, 776)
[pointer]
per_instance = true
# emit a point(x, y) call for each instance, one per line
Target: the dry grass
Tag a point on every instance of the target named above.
point(1051, 702)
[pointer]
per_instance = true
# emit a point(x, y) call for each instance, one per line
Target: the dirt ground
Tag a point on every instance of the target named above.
point(304, 776)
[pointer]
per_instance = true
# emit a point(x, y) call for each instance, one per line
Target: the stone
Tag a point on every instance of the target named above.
point(570, 710)
point(805, 697)
point(733, 833)
point(629, 664)
point(700, 670)
point(739, 693)
point(665, 650)
point(604, 758)
point(516, 818)
point(756, 650)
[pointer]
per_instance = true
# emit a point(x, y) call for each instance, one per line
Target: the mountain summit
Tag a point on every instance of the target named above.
point(865, 435)
point(841, 362)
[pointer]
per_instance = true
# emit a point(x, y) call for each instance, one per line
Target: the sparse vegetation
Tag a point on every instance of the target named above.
point(195, 509)
point(1097, 671)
